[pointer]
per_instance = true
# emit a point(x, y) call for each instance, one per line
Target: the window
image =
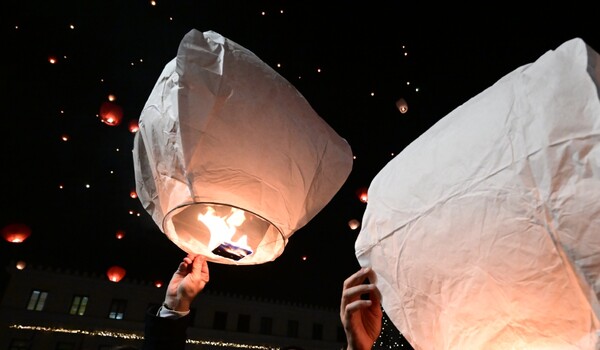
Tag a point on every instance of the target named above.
point(117, 309)
point(220, 320)
point(243, 324)
point(78, 305)
point(19, 344)
point(37, 300)
point(266, 325)
point(292, 329)
point(317, 333)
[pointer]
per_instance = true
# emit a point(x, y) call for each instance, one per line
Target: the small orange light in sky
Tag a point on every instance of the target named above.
point(115, 273)
point(133, 126)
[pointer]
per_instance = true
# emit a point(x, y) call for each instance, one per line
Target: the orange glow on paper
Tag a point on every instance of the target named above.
point(111, 114)
point(112, 98)
point(16, 233)
point(158, 283)
point(133, 194)
point(133, 126)
point(115, 273)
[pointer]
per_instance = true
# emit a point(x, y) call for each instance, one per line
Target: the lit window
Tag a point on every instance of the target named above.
point(37, 300)
point(78, 306)
point(117, 309)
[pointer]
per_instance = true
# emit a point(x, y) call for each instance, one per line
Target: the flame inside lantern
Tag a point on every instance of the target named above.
point(219, 231)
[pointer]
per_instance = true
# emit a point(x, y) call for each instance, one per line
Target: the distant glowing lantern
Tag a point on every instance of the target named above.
point(230, 159)
point(52, 60)
point(363, 194)
point(158, 283)
point(21, 265)
point(402, 105)
point(120, 234)
point(112, 98)
point(111, 114)
point(115, 273)
point(16, 233)
point(484, 231)
point(354, 224)
point(133, 126)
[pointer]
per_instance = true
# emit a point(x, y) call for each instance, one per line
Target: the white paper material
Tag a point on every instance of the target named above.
point(221, 126)
point(485, 231)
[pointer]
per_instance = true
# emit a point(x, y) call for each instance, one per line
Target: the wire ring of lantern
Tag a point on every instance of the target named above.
point(170, 213)
point(220, 247)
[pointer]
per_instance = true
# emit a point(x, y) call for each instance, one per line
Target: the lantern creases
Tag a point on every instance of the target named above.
point(483, 232)
point(230, 159)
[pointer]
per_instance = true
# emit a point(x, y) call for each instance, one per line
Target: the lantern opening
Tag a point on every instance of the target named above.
point(219, 230)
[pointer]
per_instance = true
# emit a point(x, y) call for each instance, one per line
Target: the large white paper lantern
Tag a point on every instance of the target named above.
point(485, 231)
point(230, 159)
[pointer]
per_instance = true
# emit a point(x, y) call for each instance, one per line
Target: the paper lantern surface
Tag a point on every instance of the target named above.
point(484, 231)
point(225, 144)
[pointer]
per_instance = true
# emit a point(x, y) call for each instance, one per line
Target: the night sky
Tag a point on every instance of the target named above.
point(351, 60)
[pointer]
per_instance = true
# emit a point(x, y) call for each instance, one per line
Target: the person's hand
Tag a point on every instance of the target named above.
point(190, 279)
point(361, 318)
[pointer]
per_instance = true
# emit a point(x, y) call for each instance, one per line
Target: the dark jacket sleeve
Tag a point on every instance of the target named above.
point(164, 333)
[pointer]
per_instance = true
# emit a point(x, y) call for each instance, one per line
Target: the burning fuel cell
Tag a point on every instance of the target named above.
point(230, 159)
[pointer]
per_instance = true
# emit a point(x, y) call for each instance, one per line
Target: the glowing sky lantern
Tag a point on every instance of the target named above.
point(115, 273)
point(120, 234)
point(402, 105)
point(21, 265)
point(16, 233)
point(484, 231)
point(133, 126)
point(353, 224)
point(111, 113)
point(230, 159)
point(363, 194)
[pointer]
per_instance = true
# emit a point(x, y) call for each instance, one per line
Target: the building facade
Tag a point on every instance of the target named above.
point(45, 308)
